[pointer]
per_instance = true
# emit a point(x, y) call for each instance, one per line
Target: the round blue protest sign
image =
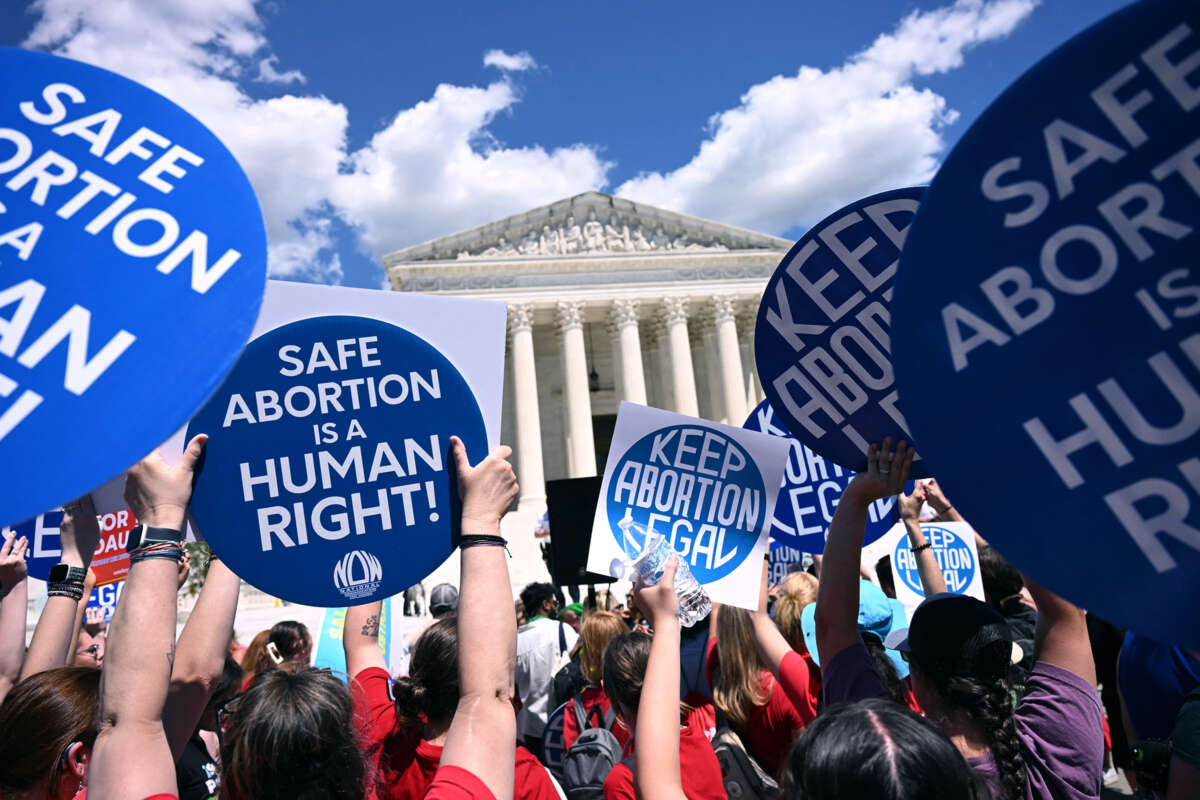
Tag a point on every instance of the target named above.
point(1047, 321)
point(327, 480)
point(822, 342)
point(695, 485)
point(953, 554)
point(811, 490)
point(134, 259)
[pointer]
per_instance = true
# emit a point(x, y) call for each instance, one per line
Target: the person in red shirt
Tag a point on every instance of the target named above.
point(627, 665)
point(599, 628)
point(797, 590)
point(403, 725)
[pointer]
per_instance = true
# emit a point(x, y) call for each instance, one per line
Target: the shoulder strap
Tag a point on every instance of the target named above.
point(562, 639)
point(610, 718)
point(580, 717)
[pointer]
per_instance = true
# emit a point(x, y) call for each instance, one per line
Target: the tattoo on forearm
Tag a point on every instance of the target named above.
point(371, 626)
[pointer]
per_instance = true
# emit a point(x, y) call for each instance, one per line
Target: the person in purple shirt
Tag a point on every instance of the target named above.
point(1049, 744)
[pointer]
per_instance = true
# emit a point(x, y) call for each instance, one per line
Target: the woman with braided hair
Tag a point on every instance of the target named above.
point(1046, 744)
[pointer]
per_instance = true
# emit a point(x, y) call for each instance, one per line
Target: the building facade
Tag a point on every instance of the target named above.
point(608, 301)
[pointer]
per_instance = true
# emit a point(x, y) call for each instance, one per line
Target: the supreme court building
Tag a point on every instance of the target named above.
point(608, 300)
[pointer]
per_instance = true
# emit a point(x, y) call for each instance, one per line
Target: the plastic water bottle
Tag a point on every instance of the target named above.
point(649, 564)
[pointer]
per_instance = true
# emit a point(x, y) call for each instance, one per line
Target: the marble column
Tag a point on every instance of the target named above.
point(683, 377)
point(704, 358)
point(745, 329)
point(581, 448)
point(729, 359)
point(530, 472)
point(628, 350)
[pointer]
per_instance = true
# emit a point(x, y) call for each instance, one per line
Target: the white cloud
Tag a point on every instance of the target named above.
point(509, 62)
point(267, 72)
point(433, 170)
point(798, 147)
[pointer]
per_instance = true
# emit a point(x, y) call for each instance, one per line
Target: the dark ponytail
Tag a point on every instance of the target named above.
point(885, 669)
point(990, 703)
point(429, 692)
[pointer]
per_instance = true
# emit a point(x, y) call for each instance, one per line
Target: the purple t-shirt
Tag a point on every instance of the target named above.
point(1059, 723)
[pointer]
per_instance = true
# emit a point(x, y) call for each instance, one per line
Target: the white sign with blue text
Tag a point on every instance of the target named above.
point(134, 257)
point(327, 479)
point(822, 343)
point(709, 488)
point(1047, 320)
point(952, 544)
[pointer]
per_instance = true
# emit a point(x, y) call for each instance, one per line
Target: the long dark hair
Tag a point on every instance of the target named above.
point(292, 737)
point(885, 668)
point(877, 750)
point(990, 703)
point(39, 718)
point(625, 661)
point(429, 692)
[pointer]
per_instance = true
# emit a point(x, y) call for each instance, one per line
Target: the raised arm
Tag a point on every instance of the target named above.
point(14, 596)
point(482, 738)
point(771, 644)
point(837, 594)
point(939, 503)
point(200, 654)
point(933, 580)
point(1062, 637)
point(51, 644)
point(131, 759)
point(360, 638)
point(656, 735)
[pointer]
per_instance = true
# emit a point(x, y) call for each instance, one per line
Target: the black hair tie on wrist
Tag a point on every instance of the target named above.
point(920, 547)
point(483, 540)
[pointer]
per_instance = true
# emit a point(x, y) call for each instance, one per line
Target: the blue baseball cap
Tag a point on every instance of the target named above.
point(878, 614)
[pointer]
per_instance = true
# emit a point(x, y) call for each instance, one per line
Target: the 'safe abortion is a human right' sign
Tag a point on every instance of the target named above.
point(1047, 321)
point(132, 266)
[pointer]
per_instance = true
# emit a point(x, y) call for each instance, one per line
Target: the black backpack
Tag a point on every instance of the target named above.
point(744, 779)
point(592, 756)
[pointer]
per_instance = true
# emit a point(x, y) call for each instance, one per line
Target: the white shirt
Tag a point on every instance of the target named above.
point(538, 658)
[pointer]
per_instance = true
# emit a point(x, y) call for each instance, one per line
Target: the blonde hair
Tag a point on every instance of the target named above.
point(599, 628)
point(737, 687)
point(796, 591)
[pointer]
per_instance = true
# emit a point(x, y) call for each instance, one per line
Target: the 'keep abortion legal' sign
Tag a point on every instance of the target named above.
point(709, 488)
point(1047, 321)
point(133, 256)
point(326, 478)
point(810, 493)
point(823, 338)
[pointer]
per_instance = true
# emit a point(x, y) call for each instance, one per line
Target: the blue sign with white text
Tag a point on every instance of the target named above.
point(44, 549)
point(822, 342)
point(134, 258)
point(811, 490)
point(327, 479)
point(698, 487)
point(1047, 321)
point(103, 600)
point(953, 554)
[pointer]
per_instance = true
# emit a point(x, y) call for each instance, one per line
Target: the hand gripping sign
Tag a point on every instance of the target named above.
point(823, 338)
point(810, 492)
point(133, 255)
point(707, 487)
point(1048, 321)
point(326, 478)
point(110, 562)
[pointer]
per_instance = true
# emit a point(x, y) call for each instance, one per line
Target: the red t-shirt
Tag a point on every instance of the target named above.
point(405, 764)
point(800, 680)
point(456, 783)
point(593, 697)
point(698, 768)
point(770, 728)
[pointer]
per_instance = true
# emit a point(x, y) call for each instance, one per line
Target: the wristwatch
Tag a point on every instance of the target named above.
point(144, 536)
point(64, 573)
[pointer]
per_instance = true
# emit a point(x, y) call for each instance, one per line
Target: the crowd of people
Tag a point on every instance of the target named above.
point(825, 690)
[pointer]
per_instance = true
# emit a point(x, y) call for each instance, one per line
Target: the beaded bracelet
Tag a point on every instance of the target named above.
point(169, 550)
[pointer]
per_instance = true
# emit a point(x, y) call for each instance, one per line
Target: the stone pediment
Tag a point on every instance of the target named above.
point(588, 224)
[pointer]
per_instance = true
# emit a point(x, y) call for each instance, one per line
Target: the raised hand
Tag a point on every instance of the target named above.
point(158, 494)
point(885, 475)
point(911, 504)
point(487, 489)
point(658, 602)
point(79, 532)
point(12, 561)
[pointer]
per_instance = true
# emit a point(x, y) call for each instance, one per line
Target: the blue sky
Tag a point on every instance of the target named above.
point(368, 126)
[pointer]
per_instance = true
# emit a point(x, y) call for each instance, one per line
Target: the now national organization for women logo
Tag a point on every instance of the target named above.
point(357, 574)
